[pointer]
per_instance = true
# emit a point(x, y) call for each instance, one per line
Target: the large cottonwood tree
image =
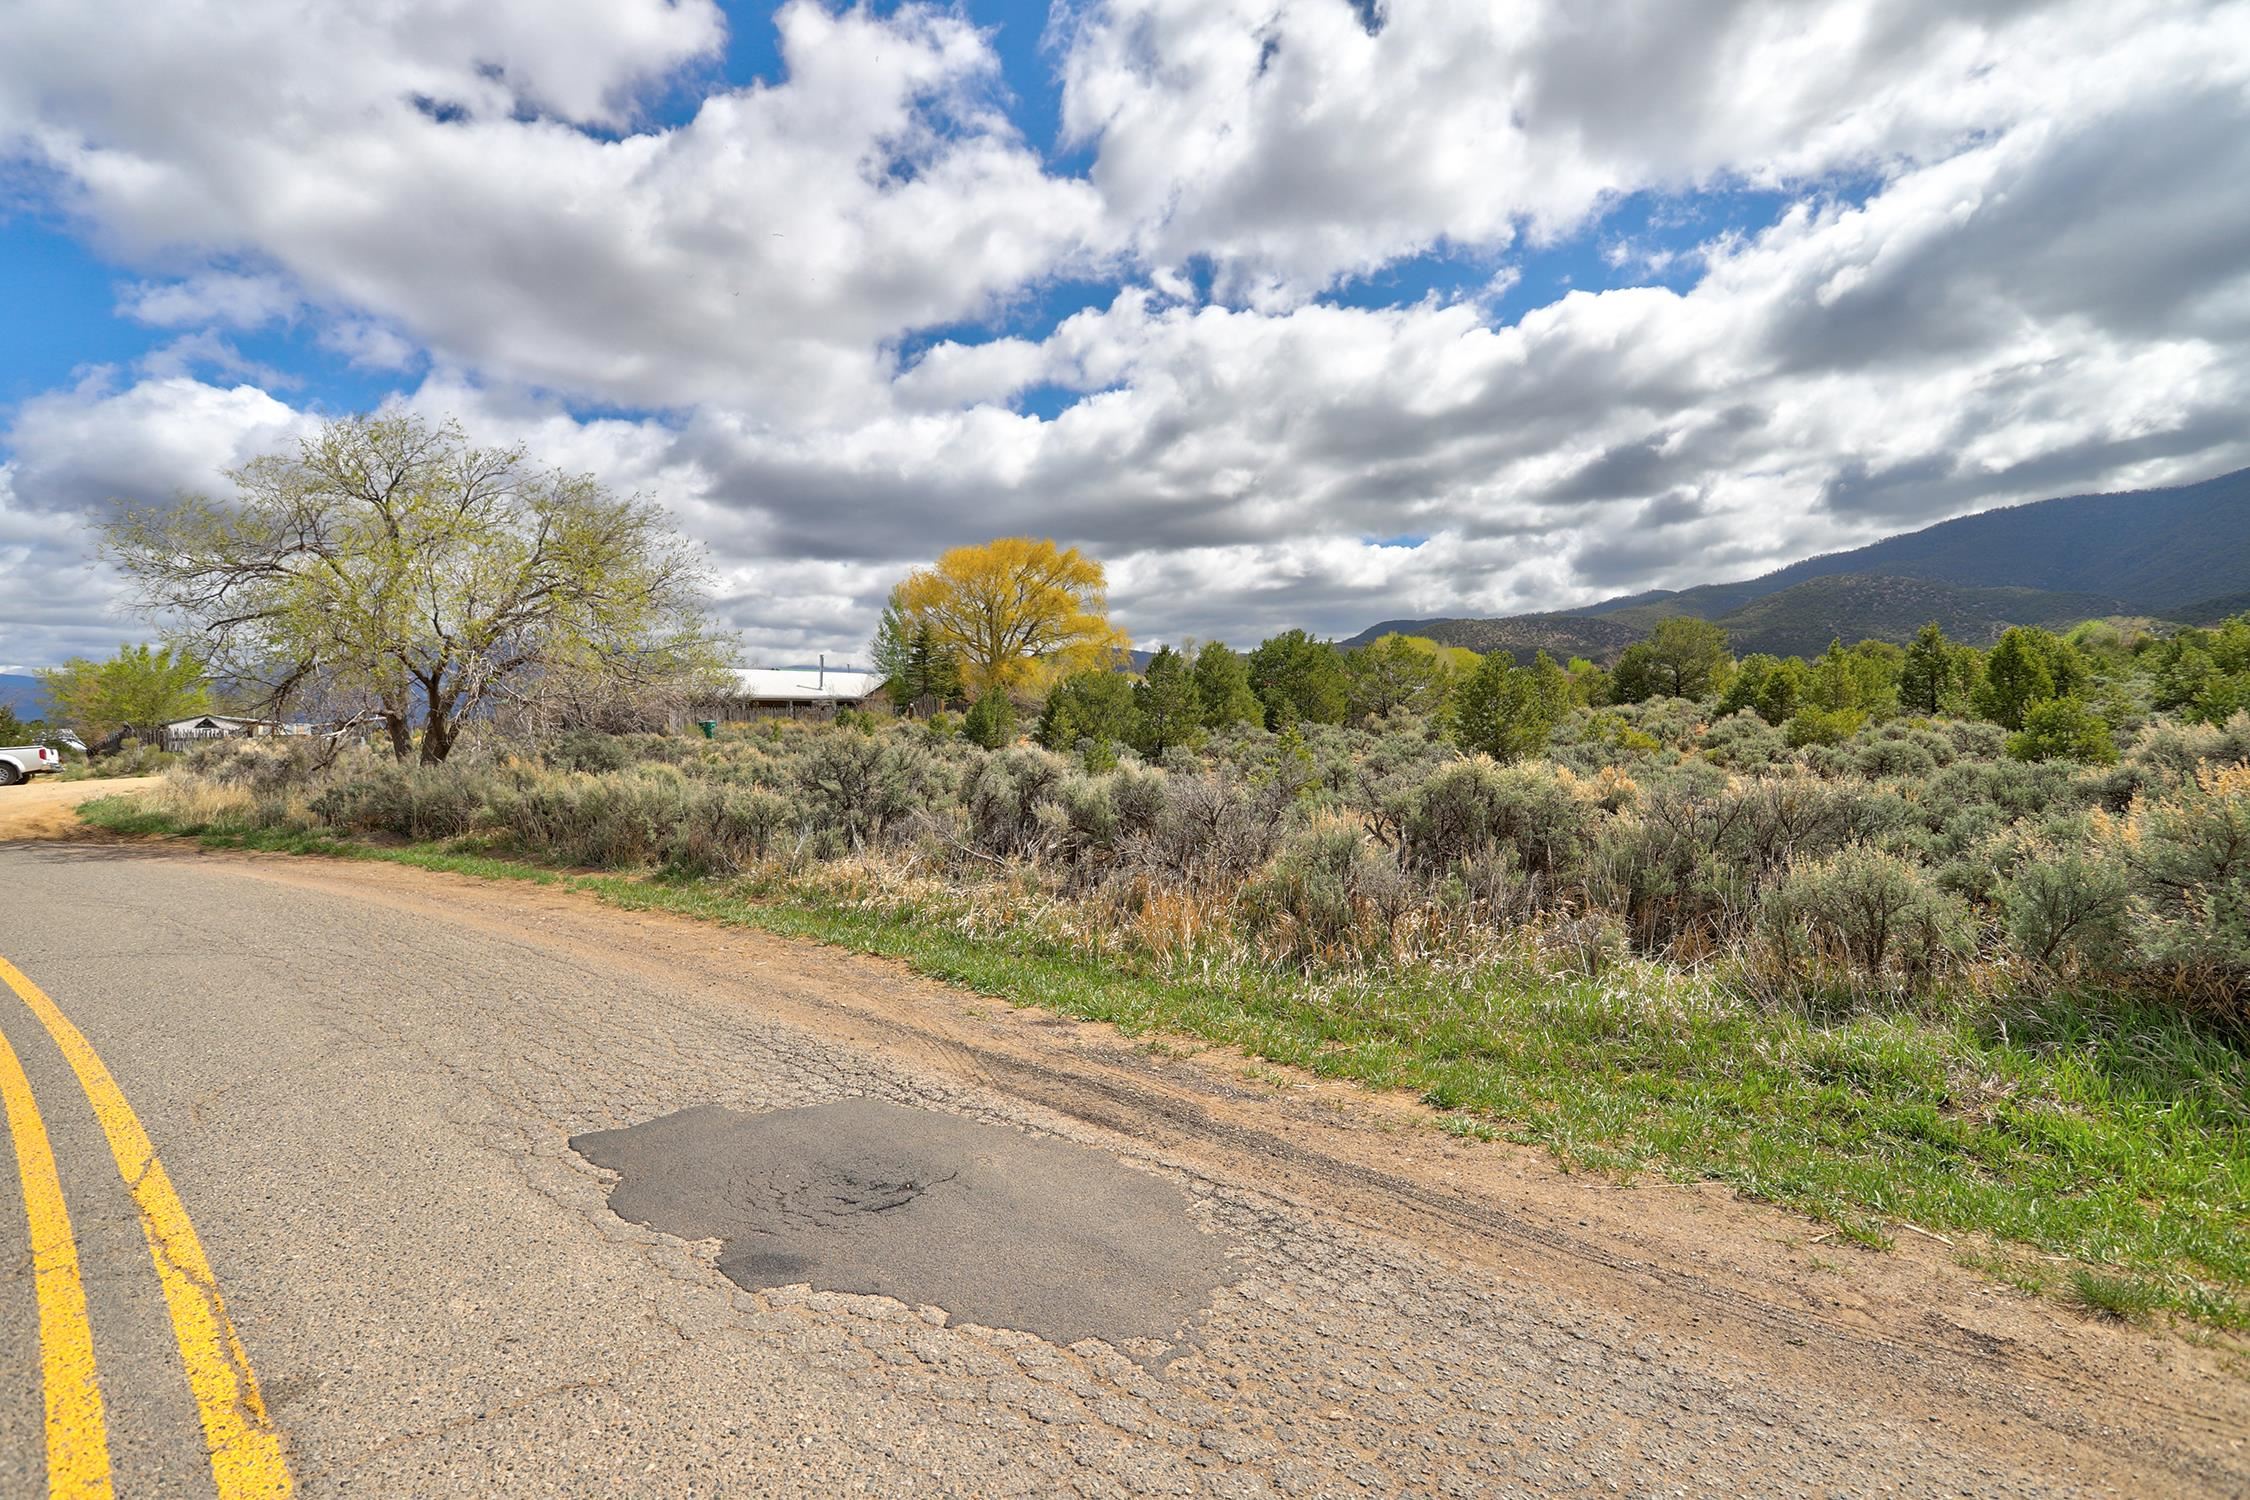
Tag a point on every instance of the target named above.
point(1014, 611)
point(391, 560)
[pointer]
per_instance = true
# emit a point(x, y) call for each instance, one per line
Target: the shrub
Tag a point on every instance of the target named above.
point(991, 720)
point(1004, 797)
point(2063, 728)
point(1743, 741)
point(1472, 806)
point(2176, 752)
point(1590, 739)
point(854, 784)
point(604, 822)
point(2064, 904)
point(1865, 916)
point(730, 829)
point(1823, 726)
point(1895, 755)
point(2188, 854)
point(408, 802)
point(1213, 830)
point(264, 764)
point(1665, 871)
point(587, 750)
point(1137, 794)
point(1332, 893)
point(1084, 816)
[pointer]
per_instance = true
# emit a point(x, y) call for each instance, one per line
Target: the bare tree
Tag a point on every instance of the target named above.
point(389, 560)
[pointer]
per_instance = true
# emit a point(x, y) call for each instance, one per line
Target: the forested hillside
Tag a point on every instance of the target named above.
point(2179, 554)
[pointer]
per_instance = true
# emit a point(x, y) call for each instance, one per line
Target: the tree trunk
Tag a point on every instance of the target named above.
point(402, 733)
point(437, 736)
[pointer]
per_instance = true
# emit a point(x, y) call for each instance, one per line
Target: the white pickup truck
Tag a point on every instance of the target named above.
point(19, 763)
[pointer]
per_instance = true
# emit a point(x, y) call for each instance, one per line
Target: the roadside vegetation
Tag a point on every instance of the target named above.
point(1914, 937)
point(1907, 978)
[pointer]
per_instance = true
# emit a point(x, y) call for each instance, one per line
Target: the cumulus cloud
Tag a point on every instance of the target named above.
point(1294, 143)
point(424, 168)
point(2010, 257)
point(59, 602)
point(102, 443)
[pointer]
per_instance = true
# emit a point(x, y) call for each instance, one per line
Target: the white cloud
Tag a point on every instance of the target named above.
point(368, 345)
point(98, 443)
point(2015, 262)
point(1294, 145)
point(380, 157)
point(227, 298)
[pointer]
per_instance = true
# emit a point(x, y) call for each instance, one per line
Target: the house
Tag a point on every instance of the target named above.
point(220, 727)
point(797, 692)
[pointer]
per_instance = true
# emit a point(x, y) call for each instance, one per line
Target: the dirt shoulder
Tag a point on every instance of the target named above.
point(47, 809)
point(1912, 1328)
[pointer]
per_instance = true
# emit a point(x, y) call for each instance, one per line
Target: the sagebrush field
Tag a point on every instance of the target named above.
point(1914, 976)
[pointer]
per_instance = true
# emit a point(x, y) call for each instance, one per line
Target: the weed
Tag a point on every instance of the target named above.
point(2125, 1298)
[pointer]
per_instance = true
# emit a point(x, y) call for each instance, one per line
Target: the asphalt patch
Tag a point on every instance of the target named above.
point(995, 1225)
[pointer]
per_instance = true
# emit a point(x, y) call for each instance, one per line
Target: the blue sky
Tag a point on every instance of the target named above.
point(1294, 313)
point(65, 291)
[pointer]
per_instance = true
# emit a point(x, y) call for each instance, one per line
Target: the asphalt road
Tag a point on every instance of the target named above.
point(371, 1261)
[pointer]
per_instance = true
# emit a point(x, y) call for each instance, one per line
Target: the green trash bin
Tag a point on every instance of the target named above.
point(710, 728)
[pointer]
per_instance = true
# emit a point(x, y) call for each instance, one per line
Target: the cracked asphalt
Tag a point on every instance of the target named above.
point(365, 1082)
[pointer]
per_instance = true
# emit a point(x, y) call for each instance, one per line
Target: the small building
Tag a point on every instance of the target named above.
point(221, 727)
point(814, 692)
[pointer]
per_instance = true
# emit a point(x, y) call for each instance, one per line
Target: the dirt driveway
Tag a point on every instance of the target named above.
point(45, 808)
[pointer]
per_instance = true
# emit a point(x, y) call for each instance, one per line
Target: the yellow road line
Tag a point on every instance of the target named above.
point(246, 1456)
point(77, 1434)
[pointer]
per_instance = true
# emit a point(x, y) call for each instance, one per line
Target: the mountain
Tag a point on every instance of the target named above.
point(21, 694)
point(2212, 611)
point(1801, 621)
point(2181, 553)
point(1522, 636)
point(2156, 551)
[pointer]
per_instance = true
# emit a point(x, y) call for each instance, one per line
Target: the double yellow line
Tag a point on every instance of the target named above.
point(245, 1451)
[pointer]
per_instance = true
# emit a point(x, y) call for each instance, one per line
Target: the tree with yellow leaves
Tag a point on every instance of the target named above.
point(1016, 610)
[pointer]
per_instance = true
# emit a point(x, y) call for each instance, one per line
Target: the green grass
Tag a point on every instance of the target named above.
point(2126, 1298)
point(2116, 1142)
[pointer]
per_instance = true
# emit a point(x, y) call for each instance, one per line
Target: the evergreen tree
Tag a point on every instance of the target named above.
point(1926, 677)
point(933, 670)
point(892, 650)
point(1506, 711)
point(1589, 683)
point(991, 720)
point(1396, 672)
point(1682, 658)
point(1223, 693)
point(2203, 674)
point(1300, 680)
point(1095, 706)
point(914, 663)
point(2028, 665)
point(1165, 705)
point(1763, 684)
point(2063, 728)
point(1863, 680)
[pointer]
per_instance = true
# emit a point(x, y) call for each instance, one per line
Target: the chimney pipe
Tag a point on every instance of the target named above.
point(822, 681)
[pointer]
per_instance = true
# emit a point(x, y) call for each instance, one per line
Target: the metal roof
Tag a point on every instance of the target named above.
point(804, 684)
